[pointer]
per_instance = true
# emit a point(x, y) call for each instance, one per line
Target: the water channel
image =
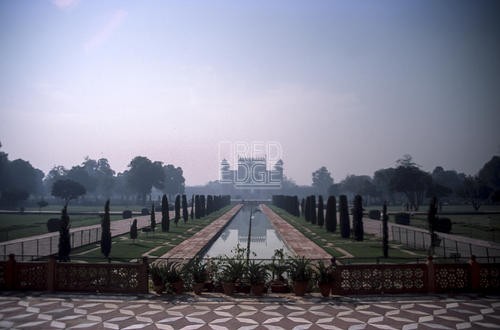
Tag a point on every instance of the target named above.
point(264, 239)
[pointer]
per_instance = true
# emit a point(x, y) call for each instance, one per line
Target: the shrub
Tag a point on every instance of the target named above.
point(145, 211)
point(345, 225)
point(331, 214)
point(443, 225)
point(53, 225)
point(64, 237)
point(402, 218)
point(357, 218)
point(374, 214)
point(127, 214)
point(321, 215)
point(133, 230)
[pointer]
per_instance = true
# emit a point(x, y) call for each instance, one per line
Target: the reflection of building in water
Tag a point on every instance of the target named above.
point(260, 226)
point(251, 171)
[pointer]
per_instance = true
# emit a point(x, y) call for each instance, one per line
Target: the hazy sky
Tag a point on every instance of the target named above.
point(351, 85)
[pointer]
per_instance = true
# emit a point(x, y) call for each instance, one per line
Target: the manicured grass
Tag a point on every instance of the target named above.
point(125, 249)
point(14, 226)
point(371, 247)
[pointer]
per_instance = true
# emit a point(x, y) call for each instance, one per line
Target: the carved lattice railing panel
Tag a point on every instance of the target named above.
point(489, 277)
point(365, 279)
point(452, 277)
point(3, 268)
point(31, 276)
point(101, 277)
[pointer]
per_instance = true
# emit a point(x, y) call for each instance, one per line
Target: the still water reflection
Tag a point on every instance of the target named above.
point(264, 240)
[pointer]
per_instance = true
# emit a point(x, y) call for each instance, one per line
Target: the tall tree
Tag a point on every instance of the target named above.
point(475, 191)
point(490, 173)
point(345, 225)
point(432, 222)
point(192, 207)
point(64, 237)
point(197, 213)
point(313, 209)
point(106, 231)
point(143, 175)
point(357, 218)
point(174, 180)
point(67, 189)
point(322, 180)
point(177, 209)
point(165, 217)
point(153, 217)
point(185, 215)
point(385, 231)
point(321, 216)
point(331, 214)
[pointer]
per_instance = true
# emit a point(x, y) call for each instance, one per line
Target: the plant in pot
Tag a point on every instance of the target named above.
point(278, 267)
point(257, 275)
point(158, 277)
point(199, 273)
point(232, 271)
point(173, 276)
point(300, 272)
point(324, 278)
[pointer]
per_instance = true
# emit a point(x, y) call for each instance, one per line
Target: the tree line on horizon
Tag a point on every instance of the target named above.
point(407, 183)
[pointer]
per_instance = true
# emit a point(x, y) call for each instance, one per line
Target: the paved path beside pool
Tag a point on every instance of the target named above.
point(44, 311)
point(294, 239)
point(190, 247)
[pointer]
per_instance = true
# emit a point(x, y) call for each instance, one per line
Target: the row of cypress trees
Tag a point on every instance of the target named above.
point(314, 213)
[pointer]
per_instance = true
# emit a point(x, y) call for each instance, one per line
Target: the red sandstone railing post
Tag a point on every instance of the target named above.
point(10, 273)
point(475, 269)
point(51, 274)
point(431, 275)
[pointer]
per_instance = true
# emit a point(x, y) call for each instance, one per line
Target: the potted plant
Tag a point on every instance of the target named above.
point(173, 276)
point(231, 272)
point(198, 270)
point(257, 276)
point(300, 272)
point(278, 267)
point(158, 277)
point(324, 278)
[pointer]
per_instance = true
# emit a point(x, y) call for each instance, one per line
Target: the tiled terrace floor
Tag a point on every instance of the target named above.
point(35, 311)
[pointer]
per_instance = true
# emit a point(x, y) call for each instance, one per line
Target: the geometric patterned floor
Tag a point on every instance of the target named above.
point(219, 312)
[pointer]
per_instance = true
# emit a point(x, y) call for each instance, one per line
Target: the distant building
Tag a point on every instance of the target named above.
point(252, 173)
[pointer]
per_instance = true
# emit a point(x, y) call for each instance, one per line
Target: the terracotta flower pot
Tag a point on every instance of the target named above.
point(325, 289)
point(178, 287)
point(300, 288)
point(258, 289)
point(198, 287)
point(228, 288)
point(279, 287)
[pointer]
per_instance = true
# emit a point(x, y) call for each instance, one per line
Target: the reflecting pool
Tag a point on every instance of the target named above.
point(264, 239)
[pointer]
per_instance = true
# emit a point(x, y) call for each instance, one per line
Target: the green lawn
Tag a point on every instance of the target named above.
point(371, 247)
point(125, 249)
point(14, 226)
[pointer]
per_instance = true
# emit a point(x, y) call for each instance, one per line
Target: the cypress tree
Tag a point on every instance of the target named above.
point(185, 215)
point(331, 214)
point(357, 218)
point(203, 210)
point(431, 220)
point(133, 230)
point(192, 207)
point(153, 217)
point(307, 209)
point(313, 210)
point(303, 207)
point(64, 237)
point(321, 216)
point(385, 231)
point(106, 231)
point(345, 226)
point(209, 204)
point(165, 216)
point(296, 206)
point(177, 209)
point(197, 206)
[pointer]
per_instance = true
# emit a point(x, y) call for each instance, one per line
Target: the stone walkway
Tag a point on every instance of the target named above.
point(294, 239)
point(190, 247)
point(36, 311)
